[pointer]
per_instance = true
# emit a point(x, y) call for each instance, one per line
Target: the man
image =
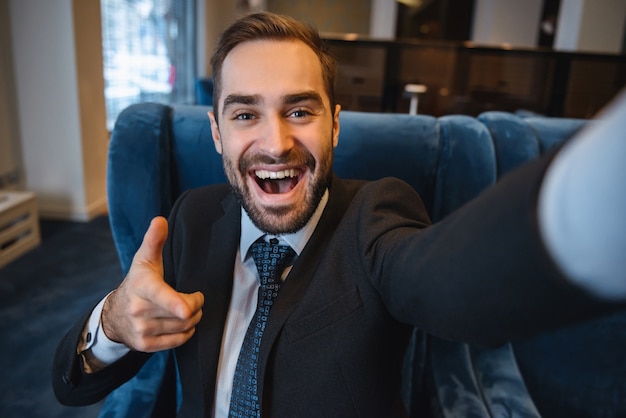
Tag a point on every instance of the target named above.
point(364, 264)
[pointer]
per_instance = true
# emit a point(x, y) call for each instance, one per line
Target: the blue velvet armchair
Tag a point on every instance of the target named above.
point(157, 152)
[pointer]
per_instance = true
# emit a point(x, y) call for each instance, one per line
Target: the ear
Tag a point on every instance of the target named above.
point(215, 132)
point(336, 126)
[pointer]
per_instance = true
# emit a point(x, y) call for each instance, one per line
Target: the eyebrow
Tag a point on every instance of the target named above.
point(313, 96)
point(243, 99)
point(255, 99)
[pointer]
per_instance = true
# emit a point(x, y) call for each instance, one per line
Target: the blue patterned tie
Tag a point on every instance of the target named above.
point(270, 259)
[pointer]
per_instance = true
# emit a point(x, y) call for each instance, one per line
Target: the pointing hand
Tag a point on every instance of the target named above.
point(144, 312)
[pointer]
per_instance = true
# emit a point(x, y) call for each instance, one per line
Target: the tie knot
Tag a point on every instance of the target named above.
point(271, 259)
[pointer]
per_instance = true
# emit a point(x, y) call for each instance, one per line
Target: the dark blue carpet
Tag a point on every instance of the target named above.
point(41, 294)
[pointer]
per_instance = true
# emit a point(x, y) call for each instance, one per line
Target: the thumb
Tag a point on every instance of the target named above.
point(151, 248)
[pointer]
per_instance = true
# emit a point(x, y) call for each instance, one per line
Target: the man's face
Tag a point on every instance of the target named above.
point(275, 132)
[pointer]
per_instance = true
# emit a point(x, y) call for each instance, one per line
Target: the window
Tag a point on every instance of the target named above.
point(148, 53)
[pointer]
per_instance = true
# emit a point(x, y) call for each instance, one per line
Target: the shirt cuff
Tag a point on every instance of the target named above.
point(96, 349)
point(582, 204)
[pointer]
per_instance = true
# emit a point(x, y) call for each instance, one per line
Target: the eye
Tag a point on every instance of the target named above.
point(243, 116)
point(299, 113)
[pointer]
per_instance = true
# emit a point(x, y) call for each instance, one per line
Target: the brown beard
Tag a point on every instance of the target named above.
point(286, 219)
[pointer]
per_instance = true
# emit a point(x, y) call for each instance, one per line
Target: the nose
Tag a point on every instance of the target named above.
point(277, 139)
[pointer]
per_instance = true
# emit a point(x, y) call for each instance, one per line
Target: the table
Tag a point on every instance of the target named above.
point(19, 225)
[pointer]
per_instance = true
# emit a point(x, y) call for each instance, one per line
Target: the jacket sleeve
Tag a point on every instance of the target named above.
point(482, 275)
point(72, 386)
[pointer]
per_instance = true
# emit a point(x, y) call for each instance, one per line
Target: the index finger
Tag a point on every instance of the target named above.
point(166, 299)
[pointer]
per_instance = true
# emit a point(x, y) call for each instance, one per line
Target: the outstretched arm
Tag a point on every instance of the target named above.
point(494, 270)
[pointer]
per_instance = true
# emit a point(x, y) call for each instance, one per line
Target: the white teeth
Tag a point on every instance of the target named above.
point(265, 174)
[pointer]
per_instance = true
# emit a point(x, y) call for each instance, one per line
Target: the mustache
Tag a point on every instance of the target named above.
point(296, 156)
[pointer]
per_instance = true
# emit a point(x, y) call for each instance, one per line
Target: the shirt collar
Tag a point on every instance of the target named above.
point(297, 240)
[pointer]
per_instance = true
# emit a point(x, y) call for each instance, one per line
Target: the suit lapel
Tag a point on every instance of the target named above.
point(217, 289)
point(300, 276)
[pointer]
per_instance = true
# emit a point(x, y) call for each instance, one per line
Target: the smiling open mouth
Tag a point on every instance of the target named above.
point(276, 182)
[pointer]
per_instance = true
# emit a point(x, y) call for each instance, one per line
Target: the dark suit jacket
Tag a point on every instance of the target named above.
point(337, 332)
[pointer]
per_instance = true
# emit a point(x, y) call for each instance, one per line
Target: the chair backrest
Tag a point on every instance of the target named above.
point(204, 91)
point(157, 152)
point(163, 151)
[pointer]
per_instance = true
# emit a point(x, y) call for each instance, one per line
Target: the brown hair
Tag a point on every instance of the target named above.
point(269, 26)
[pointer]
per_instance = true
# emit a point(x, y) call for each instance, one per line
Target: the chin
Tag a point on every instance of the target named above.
point(277, 221)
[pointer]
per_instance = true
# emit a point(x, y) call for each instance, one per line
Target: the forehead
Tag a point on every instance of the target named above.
point(269, 67)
